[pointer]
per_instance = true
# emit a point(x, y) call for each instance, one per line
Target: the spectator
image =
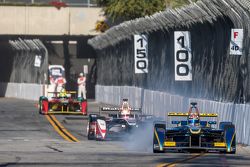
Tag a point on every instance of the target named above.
point(81, 81)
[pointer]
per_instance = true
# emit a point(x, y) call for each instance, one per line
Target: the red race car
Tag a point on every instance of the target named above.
point(63, 103)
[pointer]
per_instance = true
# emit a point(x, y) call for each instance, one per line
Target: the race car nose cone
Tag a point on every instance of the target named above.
point(195, 130)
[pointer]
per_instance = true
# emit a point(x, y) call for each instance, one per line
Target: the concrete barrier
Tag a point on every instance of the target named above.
point(115, 94)
point(21, 90)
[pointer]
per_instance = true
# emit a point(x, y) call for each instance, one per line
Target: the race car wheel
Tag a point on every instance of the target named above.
point(90, 137)
point(157, 151)
point(40, 108)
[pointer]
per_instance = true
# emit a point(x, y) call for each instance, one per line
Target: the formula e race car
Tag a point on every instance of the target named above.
point(193, 134)
point(62, 103)
point(115, 126)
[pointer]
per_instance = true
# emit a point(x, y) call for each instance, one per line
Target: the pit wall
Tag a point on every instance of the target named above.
point(159, 104)
point(25, 91)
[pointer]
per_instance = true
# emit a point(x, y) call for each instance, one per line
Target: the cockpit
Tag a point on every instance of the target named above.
point(193, 115)
point(125, 109)
point(193, 119)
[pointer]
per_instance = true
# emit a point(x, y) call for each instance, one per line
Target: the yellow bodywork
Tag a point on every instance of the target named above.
point(180, 114)
point(219, 144)
point(169, 144)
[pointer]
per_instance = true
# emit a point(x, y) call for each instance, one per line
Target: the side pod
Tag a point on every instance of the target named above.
point(229, 136)
point(159, 137)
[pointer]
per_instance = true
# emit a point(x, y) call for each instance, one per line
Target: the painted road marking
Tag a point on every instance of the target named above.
point(60, 129)
point(180, 161)
point(65, 130)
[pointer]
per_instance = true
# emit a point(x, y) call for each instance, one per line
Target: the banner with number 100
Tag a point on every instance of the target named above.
point(183, 56)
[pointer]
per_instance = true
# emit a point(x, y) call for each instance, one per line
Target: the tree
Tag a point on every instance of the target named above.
point(178, 3)
point(117, 11)
point(121, 10)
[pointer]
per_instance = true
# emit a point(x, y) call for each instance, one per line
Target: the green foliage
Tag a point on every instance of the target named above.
point(178, 3)
point(130, 9)
point(102, 2)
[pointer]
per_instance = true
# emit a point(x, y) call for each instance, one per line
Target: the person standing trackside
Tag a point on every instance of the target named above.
point(81, 81)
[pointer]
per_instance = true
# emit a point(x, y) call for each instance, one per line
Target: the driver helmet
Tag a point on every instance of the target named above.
point(125, 110)
point(63, 93)
point(125, 106)
point(193, 119)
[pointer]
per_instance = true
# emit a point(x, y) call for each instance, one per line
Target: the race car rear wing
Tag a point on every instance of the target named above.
point(68, 93)
point(109, 109)
point(179, 114)
point(118, 109)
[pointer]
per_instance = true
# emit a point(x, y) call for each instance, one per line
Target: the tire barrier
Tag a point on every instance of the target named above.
point(159, 104)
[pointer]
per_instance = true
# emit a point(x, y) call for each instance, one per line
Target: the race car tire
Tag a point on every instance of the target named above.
point(90, 120)
point(40, 109)
point(91, 137)
point(157, 151)
point(225, 152)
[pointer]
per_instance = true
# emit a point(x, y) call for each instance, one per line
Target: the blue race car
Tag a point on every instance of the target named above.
point(193, 134)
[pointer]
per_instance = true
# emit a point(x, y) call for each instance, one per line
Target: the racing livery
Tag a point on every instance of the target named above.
point(64, 102)
point(115, 126)
point(60, 101)
point(194, 134)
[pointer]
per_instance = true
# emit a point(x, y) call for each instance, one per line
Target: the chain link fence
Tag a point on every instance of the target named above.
point(217, 75)
point(30, 61)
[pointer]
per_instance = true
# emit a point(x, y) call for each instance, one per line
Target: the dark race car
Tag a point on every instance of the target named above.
point(63, 103)
point(102, 128)
point(116, 125)
point(194, 134)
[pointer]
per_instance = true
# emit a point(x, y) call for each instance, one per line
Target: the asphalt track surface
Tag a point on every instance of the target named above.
point(30, 139)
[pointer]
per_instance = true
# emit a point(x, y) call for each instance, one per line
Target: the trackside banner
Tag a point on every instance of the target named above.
point(141, 53)
point(183, 56)
point(236, 43)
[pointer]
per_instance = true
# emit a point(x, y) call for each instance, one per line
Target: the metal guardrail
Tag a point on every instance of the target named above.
point(89, 3)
